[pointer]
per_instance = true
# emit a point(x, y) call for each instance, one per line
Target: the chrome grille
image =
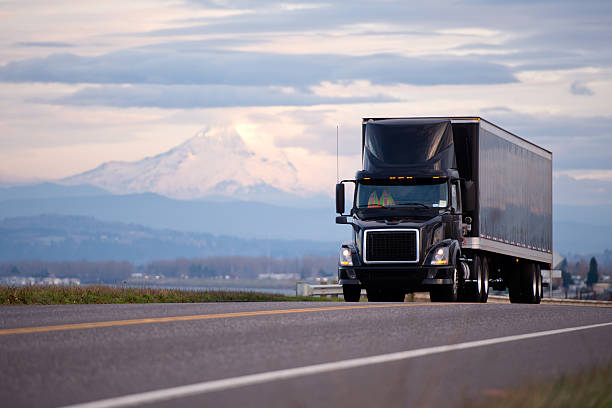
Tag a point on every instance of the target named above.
point(391, 246)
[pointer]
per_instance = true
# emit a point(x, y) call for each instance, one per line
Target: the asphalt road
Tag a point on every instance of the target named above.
point(62, 355)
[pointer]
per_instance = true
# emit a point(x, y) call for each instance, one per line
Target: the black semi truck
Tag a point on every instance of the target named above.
point(446, 205)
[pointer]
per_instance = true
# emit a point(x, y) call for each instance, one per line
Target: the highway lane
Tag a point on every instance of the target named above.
point(74, 365)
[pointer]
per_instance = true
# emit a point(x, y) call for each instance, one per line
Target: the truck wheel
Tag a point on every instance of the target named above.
point(473, 289)
point(352, 293)
point(484, 291)
point(446, 293)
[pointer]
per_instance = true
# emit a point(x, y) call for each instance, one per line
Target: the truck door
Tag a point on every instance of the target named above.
point(456, 209)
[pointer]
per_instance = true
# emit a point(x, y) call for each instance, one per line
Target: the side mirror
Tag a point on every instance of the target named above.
point(340, 198)
point(342, 219)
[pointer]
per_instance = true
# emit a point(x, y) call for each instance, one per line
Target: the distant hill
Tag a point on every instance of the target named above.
point(60, 237)
point(237, 218)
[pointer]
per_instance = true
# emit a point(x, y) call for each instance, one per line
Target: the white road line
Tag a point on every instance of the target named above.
point(235, 382)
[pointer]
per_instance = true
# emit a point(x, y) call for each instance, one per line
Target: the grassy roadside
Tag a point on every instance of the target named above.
point(212, 283)
point(592, 389)
point(60, 295)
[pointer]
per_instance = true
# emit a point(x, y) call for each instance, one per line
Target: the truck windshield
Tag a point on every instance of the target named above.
point(393, 194)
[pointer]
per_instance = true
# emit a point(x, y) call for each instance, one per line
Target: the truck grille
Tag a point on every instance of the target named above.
point(391, 246)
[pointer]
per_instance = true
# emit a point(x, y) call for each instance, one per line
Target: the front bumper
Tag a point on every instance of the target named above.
point(410, 278)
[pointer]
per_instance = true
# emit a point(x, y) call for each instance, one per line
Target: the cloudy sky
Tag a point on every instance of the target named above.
point(86, 82)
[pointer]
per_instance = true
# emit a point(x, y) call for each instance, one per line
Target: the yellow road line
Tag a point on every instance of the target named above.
point(76, 326)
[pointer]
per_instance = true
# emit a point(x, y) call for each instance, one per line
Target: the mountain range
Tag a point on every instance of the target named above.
point(210, 165)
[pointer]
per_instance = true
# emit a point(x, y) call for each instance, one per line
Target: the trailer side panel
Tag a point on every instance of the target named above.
point(515, 192)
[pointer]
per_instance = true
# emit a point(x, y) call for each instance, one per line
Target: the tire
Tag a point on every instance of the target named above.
point(385, 295)
point(352, 293)
point(541, 292)
point(529, 284)
point(539, 289)
point(484, 290)
point(446, 293)
point(514, 284)
point(526, 285)
point(473, 289)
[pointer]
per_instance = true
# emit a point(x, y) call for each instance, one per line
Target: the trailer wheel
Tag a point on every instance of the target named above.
point(539, 293)
point(484, 291)
point(446, 293)
point(529, 283)
point(352, 293)
point(526, 286)
point(513, 277)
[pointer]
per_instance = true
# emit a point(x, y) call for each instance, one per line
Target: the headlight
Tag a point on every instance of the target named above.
point(346, 258)
point(440, 256)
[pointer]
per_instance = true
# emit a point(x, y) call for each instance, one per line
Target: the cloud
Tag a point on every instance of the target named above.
point(42, 44)
point(569, 191)
point(199, 96)
point(315, 131)
point(578, 88)
point(603, 175)
point(214, 67)
point(531, 35)
point(524, 17)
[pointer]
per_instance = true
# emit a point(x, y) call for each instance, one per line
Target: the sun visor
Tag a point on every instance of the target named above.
point(408, 144)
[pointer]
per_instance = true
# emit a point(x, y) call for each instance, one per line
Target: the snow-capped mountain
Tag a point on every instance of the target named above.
point(210, 164)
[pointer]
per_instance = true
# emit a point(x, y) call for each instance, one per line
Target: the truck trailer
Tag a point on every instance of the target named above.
point(446, 205)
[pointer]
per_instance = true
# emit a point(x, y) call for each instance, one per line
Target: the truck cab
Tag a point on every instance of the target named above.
point(406, 236)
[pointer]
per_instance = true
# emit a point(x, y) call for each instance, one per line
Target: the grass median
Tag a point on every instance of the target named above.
point(63, 295)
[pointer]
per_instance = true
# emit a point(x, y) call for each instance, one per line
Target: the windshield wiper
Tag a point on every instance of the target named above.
point(412, 204)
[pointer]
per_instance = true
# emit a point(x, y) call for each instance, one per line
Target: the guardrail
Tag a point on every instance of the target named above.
point(307, 289)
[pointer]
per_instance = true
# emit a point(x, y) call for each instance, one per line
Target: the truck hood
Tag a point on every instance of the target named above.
point(398, 222)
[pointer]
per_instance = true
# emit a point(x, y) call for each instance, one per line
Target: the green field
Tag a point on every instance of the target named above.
point(63, 295)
